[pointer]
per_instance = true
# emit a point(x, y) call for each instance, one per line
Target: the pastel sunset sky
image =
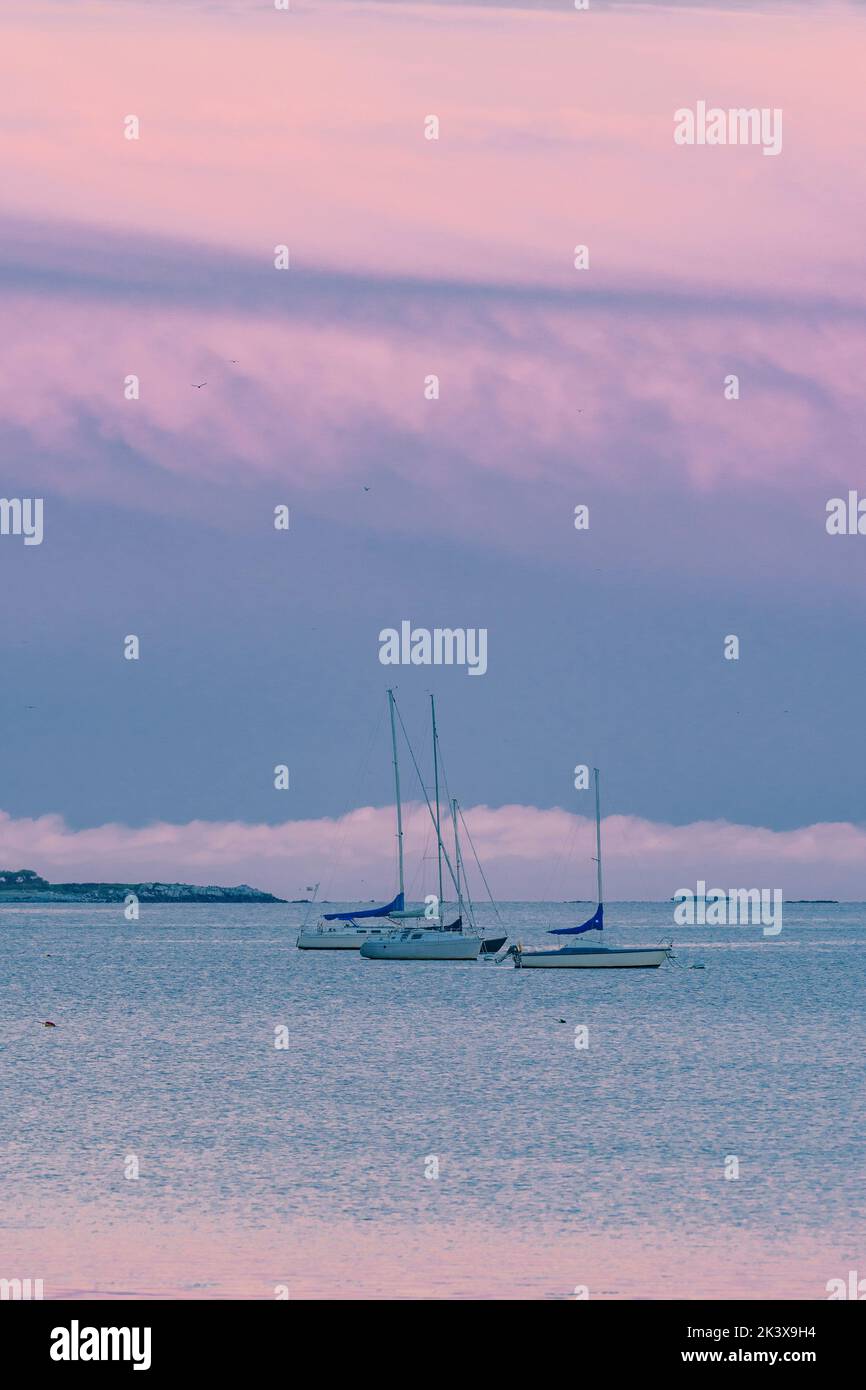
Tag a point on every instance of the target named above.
point(558, 386)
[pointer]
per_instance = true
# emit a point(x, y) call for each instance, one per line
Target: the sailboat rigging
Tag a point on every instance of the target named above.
point(589, 957)
point(437, 941)
point(347, 931)
point(368, 928)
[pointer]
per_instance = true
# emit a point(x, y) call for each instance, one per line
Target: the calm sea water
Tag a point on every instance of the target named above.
point(305, 1166)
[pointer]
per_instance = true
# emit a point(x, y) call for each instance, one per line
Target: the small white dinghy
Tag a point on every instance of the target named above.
point(589, 957)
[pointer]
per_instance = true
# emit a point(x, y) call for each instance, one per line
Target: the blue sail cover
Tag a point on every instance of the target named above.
point(595, 923)
point(395, 906)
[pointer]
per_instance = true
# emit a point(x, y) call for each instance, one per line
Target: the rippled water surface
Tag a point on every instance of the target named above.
point(305, 1165)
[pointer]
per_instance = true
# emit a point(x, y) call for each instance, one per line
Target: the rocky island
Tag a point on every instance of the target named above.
point(26, 886)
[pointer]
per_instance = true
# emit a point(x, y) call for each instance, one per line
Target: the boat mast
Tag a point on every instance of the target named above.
point(457, 858)
point(396, 789)
point(436, 781)
point(598, 836)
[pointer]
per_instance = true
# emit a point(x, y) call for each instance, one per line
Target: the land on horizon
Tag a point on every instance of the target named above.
point(26, 886)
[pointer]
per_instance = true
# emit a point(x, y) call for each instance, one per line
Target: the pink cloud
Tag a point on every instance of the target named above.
point(527, 853)
point(308, 128)
point(307, 388)
point(704, 261)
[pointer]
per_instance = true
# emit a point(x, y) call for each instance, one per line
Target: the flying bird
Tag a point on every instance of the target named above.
point(198, 384)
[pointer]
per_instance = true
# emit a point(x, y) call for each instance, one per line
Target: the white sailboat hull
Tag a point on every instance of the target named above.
point(592, 958)
point(427, 946)
point(338, 938)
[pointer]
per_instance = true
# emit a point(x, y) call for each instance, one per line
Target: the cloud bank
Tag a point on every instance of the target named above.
point(527, 854)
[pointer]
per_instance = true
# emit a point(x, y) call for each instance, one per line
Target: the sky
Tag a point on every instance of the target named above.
point(558, 387)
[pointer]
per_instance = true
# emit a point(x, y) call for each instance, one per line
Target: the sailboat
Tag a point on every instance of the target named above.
point(489, 944)
point(347, 931)
point(589, 957)
point(440, 941)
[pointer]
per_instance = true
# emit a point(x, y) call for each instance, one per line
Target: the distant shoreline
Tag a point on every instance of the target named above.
point(25, 886)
